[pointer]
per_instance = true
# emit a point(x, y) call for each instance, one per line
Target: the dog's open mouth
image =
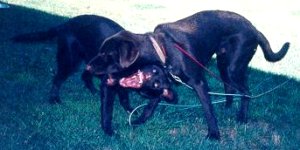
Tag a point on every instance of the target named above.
point(135, 81)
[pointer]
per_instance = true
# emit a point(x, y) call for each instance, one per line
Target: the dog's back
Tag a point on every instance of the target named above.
point(92, 25)
point(78, 40)
point(208, 29)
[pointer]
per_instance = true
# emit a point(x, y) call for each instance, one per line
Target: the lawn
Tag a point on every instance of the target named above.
point(28, 121)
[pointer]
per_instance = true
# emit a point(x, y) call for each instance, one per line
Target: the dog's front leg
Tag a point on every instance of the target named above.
point(107, 94)
point(87, 78)
point(202, 91)
point(148, 111)
point(124, 99)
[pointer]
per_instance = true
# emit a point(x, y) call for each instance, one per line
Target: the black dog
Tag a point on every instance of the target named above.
point(150, 81)
point(78, 40)
point(185, 45)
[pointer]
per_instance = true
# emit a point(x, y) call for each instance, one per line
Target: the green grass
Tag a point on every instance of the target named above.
point(29, 122)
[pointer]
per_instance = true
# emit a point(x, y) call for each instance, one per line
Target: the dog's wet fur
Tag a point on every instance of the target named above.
point(228, 35)
point(78, 41)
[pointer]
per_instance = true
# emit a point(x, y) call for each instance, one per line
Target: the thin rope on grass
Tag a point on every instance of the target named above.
point(214, 102)
point(271, 90)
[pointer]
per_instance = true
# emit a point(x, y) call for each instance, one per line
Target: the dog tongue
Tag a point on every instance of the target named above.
point(134, 81)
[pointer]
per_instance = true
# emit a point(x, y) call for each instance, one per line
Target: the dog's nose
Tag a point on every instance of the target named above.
point(88, 68)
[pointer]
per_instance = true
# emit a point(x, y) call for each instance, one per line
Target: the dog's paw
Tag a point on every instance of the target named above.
point(129, 110)
point(93, 90)
point(54, 100)
point(228, 104)
point(109, 132)
point(138, 122)
point(241, 118)
point(214, 136)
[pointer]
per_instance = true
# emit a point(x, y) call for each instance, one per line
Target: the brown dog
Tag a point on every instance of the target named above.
point(183, 45)
point(78, 41)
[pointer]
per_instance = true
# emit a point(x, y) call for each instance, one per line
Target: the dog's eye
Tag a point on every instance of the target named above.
point(156, 85)
point(154, 71)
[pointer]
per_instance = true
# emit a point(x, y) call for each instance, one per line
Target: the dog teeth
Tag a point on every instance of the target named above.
point(141, 77)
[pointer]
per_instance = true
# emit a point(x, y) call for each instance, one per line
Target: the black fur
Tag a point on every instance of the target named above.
point(78, 40)
point(229, 35)
point(152, 89)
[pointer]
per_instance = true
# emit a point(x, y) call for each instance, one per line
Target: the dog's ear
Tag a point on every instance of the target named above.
point(126, 44)
point(128, 54)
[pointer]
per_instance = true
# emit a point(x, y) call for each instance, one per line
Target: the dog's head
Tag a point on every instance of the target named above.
point(152, 82)
point(122, 51)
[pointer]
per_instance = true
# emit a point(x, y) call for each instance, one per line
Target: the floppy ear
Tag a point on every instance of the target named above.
point(123, 47)
point(128, 48)
point(128, 54)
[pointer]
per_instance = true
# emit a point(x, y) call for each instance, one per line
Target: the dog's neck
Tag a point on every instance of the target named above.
point(159, 49)
point(161, 52)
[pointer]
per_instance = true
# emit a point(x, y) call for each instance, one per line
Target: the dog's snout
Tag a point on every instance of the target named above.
point(88, 68)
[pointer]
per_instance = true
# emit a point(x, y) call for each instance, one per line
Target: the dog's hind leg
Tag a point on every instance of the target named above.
point(68, 60)
point(222, 63)
point(59, 78)
point(241, 83)
point(237, 68)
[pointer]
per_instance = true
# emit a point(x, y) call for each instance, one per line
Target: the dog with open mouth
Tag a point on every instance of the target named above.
point(185, 47)
point(149, 81)
point(78, 40)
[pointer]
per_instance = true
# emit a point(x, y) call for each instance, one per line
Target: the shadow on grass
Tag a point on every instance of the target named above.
point(29, 122)
point(17, 19)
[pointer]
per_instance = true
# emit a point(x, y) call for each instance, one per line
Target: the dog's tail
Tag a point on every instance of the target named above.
point(38, 36)
point(268, 53)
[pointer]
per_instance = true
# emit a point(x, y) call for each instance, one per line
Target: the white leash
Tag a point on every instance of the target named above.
point(211, 93)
